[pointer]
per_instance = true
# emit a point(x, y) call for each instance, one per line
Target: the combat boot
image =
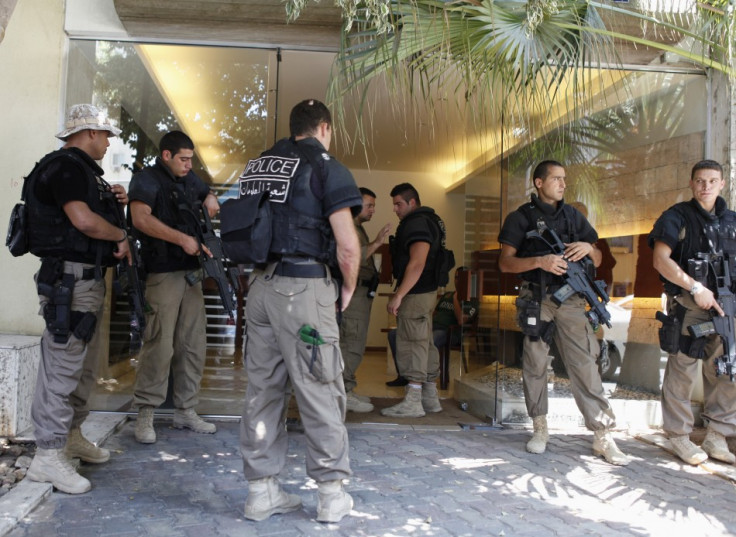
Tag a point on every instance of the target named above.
point(144, 431)
point(266, 498)
point(716, 447)
point(430, 397)
point(686, 450)
point(188, 418)
point(410, 407)
point(538, 443)
point(333, 503)
point(605, 446)
point(52, 466)
point(78, 447)
point(356, 403)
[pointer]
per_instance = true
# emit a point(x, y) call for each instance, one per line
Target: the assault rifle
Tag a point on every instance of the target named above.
point(719, 324)
point(128, 281)
point(577, 280)
point(214, 267)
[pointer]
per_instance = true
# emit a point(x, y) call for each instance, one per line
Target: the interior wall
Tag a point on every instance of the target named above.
point(32, 82)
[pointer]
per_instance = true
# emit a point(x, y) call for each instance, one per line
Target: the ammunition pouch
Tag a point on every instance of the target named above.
point(698, 270)
point(694, 347)
point(83, 325)
point(670, 333)
point(529, 317)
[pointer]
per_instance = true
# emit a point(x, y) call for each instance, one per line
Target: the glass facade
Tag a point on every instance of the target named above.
point(627, 159)
point(221, 98)
point(625, 164)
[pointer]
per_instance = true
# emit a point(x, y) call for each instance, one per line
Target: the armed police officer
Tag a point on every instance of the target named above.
point(71, 214)
point(414, 255)
point(291, 326)
point(175, 336)
point(541, 319)
point(704, 225)
point(357, 316)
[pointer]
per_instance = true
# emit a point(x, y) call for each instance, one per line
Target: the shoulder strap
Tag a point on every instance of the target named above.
point(316, 167)
point(693, 221)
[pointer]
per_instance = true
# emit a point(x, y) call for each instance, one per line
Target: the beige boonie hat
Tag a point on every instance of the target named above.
point(86, 116)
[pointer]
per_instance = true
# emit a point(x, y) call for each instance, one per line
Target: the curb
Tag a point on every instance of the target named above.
point(28, 495)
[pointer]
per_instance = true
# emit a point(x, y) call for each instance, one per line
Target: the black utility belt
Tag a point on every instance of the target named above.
point(293, 270)
point(89, 273)
point(548, 289)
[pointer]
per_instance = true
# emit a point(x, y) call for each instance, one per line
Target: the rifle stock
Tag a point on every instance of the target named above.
point(577, 281)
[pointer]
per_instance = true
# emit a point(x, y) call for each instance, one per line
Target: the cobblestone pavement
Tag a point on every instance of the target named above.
point(407, 481)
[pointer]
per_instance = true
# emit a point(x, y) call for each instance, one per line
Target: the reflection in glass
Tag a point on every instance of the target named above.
point(626, 163)
point(220, 98)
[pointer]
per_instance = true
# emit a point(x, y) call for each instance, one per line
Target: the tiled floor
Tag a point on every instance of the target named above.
point(223, 386)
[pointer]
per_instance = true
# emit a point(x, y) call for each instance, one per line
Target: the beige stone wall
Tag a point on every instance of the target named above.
point(647, 181)
point(31, 63)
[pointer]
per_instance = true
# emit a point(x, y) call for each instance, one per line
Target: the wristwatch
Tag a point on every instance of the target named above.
point(696, 288)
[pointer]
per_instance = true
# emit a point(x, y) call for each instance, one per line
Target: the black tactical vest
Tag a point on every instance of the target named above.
point(299, 227)
point(157, 252)
point(704, 232)
point(562, 222)
point(51, 233)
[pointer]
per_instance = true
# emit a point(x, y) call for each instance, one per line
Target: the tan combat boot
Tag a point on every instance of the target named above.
point(686, 450)
point(538, 443)
point(52, 466)
point(333, 503)
point(144, 431)
point(358, 403)
point(266, 498)
point(410, 407)
point(716, 447)
point(78, 447)
point(605, 446)
point(430, 397)
point(188, 418)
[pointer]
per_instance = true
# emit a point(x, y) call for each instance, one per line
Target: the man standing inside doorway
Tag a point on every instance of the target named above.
point(702, 225)
point(414, 252)
point(175, 337)
point(357, 316)
point(541, 319)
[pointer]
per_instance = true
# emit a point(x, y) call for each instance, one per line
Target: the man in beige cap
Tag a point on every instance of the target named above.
point(71, 211)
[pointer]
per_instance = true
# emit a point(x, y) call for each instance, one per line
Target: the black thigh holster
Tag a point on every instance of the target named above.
point(58, 288)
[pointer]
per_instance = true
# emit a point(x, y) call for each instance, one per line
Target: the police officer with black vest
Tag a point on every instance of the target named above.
point(542, 320)
point(291, 327)
point(71, 215)
point(414, 257)
point(703, 225)
point(175, 339)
